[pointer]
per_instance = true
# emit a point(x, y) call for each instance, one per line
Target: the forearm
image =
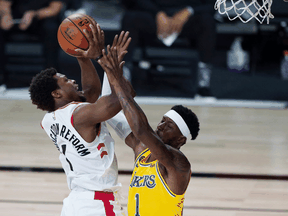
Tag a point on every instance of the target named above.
point(139, 124)
point(118, 122)
point(90, 81)
point(113, 105)
point(52, 10)
point(134, 114)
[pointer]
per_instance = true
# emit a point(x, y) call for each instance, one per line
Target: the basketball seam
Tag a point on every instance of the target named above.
point(68, 40)
point(80, 31)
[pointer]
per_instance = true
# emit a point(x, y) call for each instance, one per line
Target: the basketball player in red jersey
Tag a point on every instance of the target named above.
point(161, 172)
point(79, 132)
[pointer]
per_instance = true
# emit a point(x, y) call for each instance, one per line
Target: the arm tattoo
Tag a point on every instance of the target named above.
point(131, 109)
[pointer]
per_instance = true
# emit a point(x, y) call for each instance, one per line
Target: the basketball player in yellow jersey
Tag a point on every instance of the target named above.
point(161, 172)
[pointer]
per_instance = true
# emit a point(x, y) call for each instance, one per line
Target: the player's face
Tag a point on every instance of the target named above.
point(69, 88)
point(168, 131)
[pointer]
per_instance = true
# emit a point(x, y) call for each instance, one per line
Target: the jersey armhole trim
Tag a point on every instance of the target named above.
point(72, 120)
point(143, 152)
point(163, 181)
point(72, 115)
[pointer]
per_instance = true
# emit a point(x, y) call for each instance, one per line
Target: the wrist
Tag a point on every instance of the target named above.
point(99, 57)
point(115, 81)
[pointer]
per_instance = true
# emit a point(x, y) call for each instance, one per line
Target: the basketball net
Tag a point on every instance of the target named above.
point(245, 10)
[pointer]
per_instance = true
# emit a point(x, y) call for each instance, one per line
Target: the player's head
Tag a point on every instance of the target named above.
point(177, 125)
point(49, 88)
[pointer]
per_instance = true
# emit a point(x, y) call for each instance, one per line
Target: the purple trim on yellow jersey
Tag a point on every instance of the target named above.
point(163, 181)
point(139, 156)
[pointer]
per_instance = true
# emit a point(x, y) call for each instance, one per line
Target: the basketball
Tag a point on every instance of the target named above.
point(70, 33)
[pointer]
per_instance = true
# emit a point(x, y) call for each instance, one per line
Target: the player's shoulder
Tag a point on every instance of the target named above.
point(72, 105)
point(180, 160)
point(64, 111)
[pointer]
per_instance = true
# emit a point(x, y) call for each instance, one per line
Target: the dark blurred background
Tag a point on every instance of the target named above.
point(170, 71)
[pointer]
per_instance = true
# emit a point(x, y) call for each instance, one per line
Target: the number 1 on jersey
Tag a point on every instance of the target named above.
point(64, 151)
point(137, 204)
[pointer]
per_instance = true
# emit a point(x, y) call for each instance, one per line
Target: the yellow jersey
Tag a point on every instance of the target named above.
point(149, 195)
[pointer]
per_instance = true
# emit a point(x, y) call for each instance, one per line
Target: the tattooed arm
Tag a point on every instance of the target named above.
point(135, 116)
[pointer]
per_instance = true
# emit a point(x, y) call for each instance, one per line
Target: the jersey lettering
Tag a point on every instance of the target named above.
point(143, 181)
point(148, 192)
point(54, 131)
point(69, 136)
point(78, 157)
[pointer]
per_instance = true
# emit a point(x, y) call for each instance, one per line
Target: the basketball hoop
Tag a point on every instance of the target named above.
point(245, 10)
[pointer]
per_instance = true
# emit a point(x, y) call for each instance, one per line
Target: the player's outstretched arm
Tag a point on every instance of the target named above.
point(90, 81)
point(134, 114)
point(91, 85)
point(103, 109)
point(120, 124)
point(87, 116)
point(174, 165)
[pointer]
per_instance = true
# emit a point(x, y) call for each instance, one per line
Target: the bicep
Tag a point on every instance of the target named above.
point(92, 95)
point(91, 114)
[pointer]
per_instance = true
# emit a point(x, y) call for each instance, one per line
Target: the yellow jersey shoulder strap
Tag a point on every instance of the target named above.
point(144, 153)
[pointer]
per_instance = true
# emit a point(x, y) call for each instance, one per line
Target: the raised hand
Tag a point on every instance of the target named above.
point(114, 69)
point(110, 63)
point(121, 43)
point(96, 42)
point(27, 19)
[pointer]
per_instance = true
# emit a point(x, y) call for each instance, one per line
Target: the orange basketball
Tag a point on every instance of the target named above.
point(70, 33)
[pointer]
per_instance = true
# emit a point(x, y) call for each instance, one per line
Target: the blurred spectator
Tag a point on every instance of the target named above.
point(40, 17)
point(193, 19)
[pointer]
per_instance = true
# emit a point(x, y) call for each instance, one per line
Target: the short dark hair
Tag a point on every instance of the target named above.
point(190, 119)
point(41, 87)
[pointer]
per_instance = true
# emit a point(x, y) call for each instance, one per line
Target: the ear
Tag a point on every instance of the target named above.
point(56, 93)
point(182, 140)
